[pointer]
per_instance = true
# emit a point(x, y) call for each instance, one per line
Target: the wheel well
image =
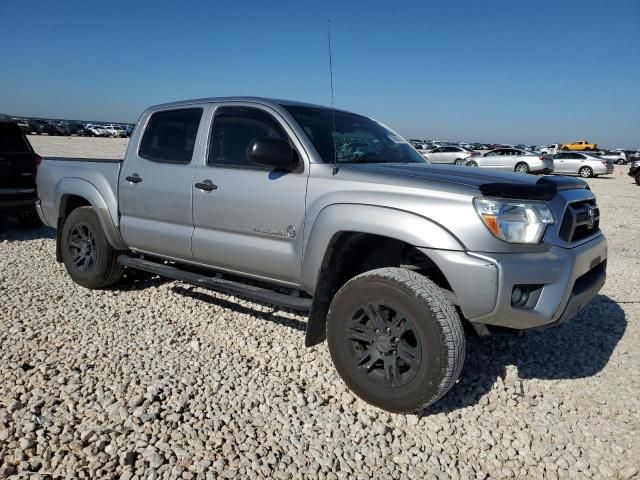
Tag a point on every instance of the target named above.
point(352, 253)
point(68, 203)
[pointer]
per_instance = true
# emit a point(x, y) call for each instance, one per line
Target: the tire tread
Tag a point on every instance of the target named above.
point(444, 313)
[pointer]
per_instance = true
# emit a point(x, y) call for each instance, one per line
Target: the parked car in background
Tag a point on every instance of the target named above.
point(96, 130)
point(581, 145)
point(63, 128)
point(513, 160)
point(634, 171)
point(583, 164)
point(617, 156)
point(18, 163)
point(42, 127)
point(25, 126)
point(551, 149)
point(451, 155)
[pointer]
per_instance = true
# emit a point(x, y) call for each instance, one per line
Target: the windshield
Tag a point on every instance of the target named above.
point(355, 139)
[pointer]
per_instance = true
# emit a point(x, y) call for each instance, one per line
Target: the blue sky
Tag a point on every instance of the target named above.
point(493, 71)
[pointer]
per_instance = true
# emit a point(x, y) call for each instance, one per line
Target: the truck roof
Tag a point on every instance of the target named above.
point(263, 100)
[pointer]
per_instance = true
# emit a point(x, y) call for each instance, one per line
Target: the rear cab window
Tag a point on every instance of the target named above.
point(170, 136)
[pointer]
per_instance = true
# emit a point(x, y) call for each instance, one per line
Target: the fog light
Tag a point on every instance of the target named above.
point(525, 296)
point(519, 297)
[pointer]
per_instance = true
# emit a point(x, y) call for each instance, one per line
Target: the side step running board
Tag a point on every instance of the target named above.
point(226, 286)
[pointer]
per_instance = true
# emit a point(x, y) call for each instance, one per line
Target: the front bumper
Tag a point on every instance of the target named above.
point(566, 279)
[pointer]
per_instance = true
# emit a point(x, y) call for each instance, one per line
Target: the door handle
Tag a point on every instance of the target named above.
point(206, 186)
point(135, 178)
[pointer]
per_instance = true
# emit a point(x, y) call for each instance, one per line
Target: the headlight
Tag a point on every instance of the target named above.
point(514, 221)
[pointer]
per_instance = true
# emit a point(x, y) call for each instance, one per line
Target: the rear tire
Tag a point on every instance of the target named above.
point(521, 168)
point(87, 255)
point(395, 340)
point(459, 161)
point(585, 172)
point(620, 161)
point(637, 178)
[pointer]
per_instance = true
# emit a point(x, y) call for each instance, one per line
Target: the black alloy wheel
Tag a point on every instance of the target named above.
point(384, 345)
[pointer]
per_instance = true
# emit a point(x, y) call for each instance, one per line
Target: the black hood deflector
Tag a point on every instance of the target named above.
point(544, 189)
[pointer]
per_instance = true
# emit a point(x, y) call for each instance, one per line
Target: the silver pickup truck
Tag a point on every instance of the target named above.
point(334, 214)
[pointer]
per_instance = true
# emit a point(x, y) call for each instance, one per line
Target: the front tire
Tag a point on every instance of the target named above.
point(637, 178)
point(459, 161)
point(585, 172)
point(395, 340)
point(472, 163)
point(87, 255)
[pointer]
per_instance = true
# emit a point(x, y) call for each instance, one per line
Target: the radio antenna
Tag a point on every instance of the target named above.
point(333, 109)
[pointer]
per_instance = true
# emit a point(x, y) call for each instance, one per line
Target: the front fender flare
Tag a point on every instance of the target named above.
point(79, 187)
point(389, 222)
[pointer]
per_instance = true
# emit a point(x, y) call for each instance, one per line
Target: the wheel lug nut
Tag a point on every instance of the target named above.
point(388, 329)
point(395, 340)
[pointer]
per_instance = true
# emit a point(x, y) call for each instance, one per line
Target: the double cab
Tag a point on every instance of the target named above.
point(333, 214)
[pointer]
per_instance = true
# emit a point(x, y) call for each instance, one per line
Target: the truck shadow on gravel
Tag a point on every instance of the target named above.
point(578, 349)
point(237, 308)
point(12, 232)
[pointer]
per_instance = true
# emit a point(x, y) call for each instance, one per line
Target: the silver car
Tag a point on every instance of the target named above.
point(513, 160)
point(450, 154)
point(583, 164)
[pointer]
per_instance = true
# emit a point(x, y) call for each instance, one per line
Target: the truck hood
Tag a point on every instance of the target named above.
point(489, 182)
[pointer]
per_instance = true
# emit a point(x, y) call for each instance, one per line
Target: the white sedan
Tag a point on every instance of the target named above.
point(513, 160)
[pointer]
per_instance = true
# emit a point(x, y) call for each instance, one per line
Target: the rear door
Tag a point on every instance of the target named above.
point(560, 164)
point(155, 187)
point(17, 165)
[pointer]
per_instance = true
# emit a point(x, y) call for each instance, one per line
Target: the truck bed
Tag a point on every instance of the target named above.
point(99, 175)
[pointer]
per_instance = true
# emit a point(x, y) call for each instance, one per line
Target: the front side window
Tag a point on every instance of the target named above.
point(234, 130)
point(170, 136)
point(349, 138)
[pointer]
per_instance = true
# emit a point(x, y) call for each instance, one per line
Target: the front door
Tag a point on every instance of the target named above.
point(560, 163)
point(156, 184)
point(248, 219)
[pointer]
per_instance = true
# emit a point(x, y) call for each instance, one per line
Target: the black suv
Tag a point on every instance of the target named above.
point(18, 164)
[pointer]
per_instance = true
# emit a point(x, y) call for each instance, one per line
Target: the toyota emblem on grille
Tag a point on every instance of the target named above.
point(591, 216)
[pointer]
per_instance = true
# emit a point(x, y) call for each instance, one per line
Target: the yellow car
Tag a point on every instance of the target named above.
point(581, 145)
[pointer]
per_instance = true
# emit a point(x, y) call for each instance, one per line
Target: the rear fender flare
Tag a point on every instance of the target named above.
point(68, 187)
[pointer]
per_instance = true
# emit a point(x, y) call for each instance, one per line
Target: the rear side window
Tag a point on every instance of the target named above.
point(12, 140)
point(170, 136)
point(234, 129)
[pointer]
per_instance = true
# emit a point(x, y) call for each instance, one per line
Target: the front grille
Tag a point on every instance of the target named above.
point(581, 220)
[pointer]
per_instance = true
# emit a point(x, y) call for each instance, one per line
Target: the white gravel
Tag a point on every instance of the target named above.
point(157, 379)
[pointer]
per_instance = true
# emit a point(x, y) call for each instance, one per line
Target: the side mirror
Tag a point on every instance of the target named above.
point(272, 152)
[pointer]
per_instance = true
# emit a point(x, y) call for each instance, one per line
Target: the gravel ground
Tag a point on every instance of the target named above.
point(157, 379)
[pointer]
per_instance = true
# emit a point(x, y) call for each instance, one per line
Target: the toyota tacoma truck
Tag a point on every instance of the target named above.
point(333, 214)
